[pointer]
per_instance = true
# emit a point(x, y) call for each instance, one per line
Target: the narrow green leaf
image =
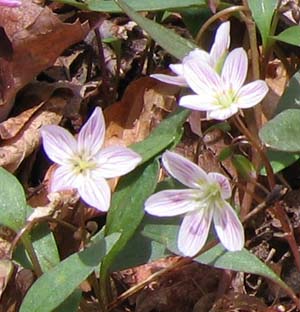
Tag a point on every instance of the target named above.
point(45, 247)
point(283, 132)
point(127, 207)
point(13, 207)
point(137, 5)
point(166, 38)
point(291, 95)
point(262, 12)
point(243, 166)
point(71, 304)
point(167, 133)
point(241, 261)
point(54, 286)
point(290, 35)
point(280, 160)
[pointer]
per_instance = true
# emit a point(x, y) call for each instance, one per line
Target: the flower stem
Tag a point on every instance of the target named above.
point(227, 11)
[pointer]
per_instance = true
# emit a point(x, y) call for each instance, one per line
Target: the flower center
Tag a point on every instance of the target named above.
point(82, 164)
point(225, 98)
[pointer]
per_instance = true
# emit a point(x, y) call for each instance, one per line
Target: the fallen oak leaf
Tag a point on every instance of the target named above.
point(35, 34)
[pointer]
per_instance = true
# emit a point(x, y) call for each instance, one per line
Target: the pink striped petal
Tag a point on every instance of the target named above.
point(194, 231)
point(202, 78)
point(221, 44)
point(174, 80)
point(204, 102)
point(115, 161)
point(63, 179)
point(95, 192)
point(58, 144)
point(225, 186)
point(222, 113)
point(91, 135)
point(177, 69)
point(235, 69)
point(251, 94)
point(10, 3)
point(171, 203)
point(228, 227)
point(184, 170)
point(197, 55)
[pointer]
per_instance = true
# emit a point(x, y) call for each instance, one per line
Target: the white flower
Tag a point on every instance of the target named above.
point(202, 202)
point(221, 96)
point(83, 163)
point(215, 58)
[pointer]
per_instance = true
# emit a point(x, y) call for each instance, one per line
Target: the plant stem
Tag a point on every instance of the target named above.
point(227, 11)
point(32, 254)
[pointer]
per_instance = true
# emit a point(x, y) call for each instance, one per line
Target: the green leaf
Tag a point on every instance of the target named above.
point(262, 13)
point(127, 207)
point(164, 136)
point(243, 166)
point(290, 35)
point(13, 207)
point(241, 261)
point(291, 95)
point(283, 132)
point(45, 247)
point(137, 5)
point(54, 286)
point(71, 304)
point(166, 38)
point(280, 160)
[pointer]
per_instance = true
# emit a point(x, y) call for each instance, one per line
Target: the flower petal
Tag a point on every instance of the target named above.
point(228, 227)
point(221, 44)
point(194, 231)
point(204, 102)
point(115, 161)
point(223, 113)
point(197, 55)
point(58, 143)
point(10, 3)
point(184, 170)
point(174, 80)
point(177, 69)
point(91, 135)
point(95, 192)
point(225, 186)
point(171, 203)
point(202, 78)
point(251, 94)
point(63, 178)
point(235, 69)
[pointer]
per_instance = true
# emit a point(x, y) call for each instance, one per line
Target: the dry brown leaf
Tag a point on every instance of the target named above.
point(145, 103)
point(36, 36)
point(14, 150)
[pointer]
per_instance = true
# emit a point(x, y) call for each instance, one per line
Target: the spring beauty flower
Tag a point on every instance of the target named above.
point(10, 3)
point(203, 201)
point(83, 163)
point(222, 95)
point(215, 58)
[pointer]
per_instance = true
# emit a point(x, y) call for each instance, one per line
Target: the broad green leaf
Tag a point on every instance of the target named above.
point(241, 261)
point(127, 207)
point(45, 247)
point(137, 5)
point(262, 13)
point(54, 286)
point(166, 38)
point(13, 207)
point(283, 131)
point(280, 160)
point(290, 35)
point(166, 134)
